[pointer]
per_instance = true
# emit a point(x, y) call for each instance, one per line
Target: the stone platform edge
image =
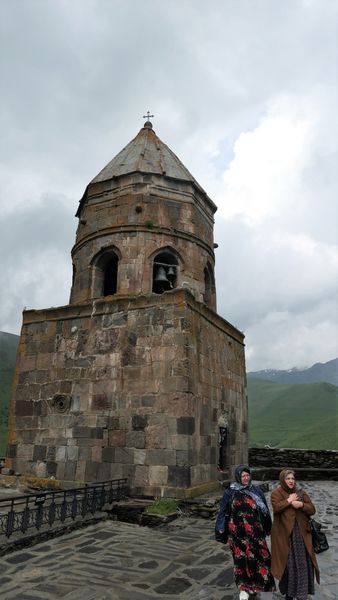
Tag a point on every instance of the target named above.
point(39, 483)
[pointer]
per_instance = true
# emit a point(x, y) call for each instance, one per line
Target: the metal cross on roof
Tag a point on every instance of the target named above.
point(148, 116)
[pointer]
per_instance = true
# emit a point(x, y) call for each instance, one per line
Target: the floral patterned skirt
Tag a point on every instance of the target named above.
point(251, 556)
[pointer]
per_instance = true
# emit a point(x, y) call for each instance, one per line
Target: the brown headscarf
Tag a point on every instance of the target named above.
point(282, 475)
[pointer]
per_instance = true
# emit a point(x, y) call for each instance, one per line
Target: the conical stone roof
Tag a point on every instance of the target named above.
point(146, 153)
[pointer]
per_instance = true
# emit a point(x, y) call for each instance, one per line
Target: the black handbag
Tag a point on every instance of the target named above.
point(319, 541)
point(221, 537)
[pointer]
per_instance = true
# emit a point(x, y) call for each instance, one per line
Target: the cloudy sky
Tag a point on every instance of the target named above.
point(243, 91)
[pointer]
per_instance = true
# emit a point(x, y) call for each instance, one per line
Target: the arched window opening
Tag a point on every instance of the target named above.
point(105, 271)
point(110, 276)
point(164, 272)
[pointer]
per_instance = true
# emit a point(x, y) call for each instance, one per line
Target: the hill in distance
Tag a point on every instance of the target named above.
point(317, 373)
point(293, 416)
point(8, 347)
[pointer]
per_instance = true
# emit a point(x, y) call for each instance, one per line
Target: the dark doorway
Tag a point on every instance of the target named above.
point(222, 444)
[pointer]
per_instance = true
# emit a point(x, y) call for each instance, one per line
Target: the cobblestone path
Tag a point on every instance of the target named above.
point(118, 561)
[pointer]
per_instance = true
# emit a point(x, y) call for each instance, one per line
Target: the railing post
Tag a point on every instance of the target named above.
point(63, 512)
point(74, 506)
point(10, 521)
point(25, 517)
point(52, 510)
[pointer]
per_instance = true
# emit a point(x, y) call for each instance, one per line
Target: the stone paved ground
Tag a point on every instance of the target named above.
point(119, 561)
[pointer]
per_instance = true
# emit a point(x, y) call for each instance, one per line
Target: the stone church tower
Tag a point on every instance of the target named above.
point(137, 376)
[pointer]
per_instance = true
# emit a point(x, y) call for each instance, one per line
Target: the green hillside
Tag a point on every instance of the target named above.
point(293, 416)
point(8, 347)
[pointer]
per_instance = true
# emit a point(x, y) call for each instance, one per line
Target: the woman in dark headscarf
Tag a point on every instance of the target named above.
point(292, 557)
point(245, 517)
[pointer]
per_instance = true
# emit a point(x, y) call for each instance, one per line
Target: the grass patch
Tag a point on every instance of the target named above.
point(163, 506)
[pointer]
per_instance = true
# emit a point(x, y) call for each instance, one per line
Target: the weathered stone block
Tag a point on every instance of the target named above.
point(181, 405)
point(156, 436)
point(101, 402)
point(135, 439)
point(51, 453)
point(186, 458)
point(72, 453)
point(88, 432)
point(139, 457)
point(104, 470)
point(51, 468)
point(80, 470)
point(28, 436)
point(25, 452)
point(84, 453)
point(39, 453)
point(124, 455)
point(158, 475)
point(66, 387)
point(139, 422)
point(160, 457)
point(60, 453)
point(24, 408)
point(97, 454)
point(186, 425)
point(117, 438)
point(141, 478)
point(108, 455)
point(70, 470)
point(148, 400)
point(179, 476)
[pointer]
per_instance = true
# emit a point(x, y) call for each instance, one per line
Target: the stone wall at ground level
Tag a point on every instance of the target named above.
point(308, 464)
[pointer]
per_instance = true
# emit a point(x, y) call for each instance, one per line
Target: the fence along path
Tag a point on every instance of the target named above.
point(29, 512)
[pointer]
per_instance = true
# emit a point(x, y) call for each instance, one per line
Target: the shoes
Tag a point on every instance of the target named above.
point(243, 595)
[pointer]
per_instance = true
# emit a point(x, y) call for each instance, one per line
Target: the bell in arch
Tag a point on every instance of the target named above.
point(171, 273)
point(161, 276)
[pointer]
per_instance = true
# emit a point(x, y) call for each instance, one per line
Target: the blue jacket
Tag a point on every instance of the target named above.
point(224, 514)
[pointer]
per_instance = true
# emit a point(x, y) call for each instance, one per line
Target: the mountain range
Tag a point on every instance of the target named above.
point(319, 372)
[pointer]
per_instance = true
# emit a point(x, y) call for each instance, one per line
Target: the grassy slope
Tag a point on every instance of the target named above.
point(293, 416)
point(8, 347)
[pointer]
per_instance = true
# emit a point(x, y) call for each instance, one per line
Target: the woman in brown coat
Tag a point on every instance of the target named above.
point(293, 561)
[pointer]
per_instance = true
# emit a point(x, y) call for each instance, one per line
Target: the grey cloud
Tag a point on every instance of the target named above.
point(77, 78)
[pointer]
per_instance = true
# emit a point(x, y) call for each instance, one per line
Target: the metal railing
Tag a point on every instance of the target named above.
point(20, 513)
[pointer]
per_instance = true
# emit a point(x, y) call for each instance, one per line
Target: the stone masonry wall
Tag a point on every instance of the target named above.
point(308, 464)
point(136, 216)
point(130, 387)
point(293, 457)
